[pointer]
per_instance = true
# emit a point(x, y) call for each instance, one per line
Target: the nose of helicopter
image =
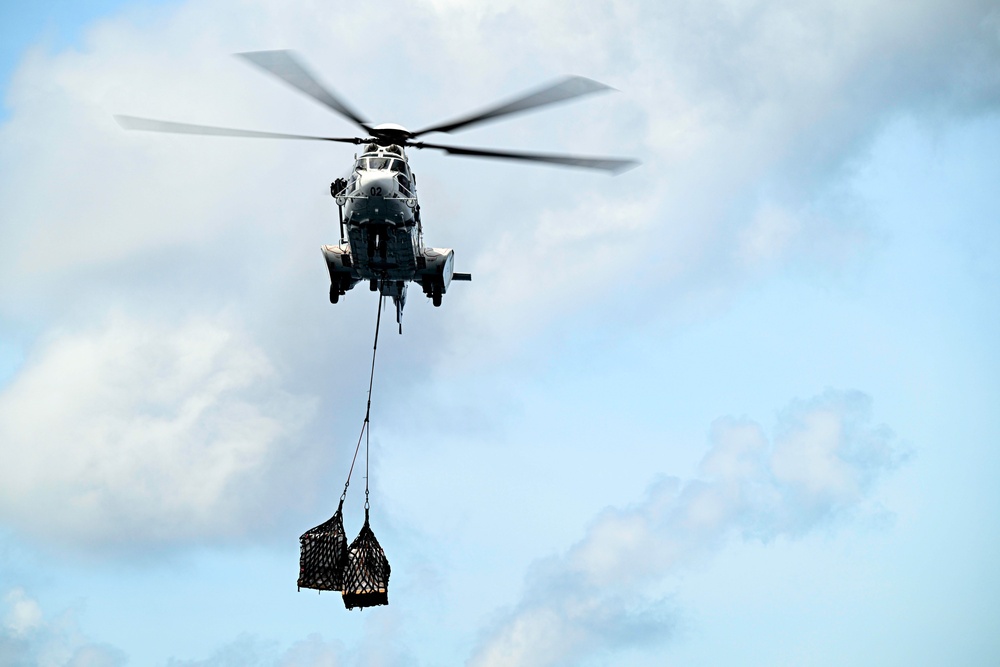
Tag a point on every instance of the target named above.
point(378, 183)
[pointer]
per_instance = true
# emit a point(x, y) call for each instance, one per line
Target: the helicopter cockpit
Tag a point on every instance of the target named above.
point(381, 158)
point(375, 157)
point(383, 163)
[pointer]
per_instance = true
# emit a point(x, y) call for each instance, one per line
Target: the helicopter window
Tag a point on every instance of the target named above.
point(378, 163)
point(404, 183)
point(397, 165)
point(361, 164)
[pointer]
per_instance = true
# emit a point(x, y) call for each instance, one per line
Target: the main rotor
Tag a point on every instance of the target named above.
point(286, 67)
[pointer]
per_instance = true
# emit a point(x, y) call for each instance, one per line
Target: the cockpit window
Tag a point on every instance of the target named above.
point(378, 163)
point(362, 163)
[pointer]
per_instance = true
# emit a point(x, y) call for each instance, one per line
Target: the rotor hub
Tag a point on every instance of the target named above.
point(390, 133)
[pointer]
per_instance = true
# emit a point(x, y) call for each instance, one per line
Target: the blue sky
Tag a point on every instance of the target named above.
point(737, 405)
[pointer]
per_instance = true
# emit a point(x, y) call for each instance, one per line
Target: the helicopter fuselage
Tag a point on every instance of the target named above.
point(381, 233)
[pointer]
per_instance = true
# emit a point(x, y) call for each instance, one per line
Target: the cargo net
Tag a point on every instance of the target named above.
point(323, 556)
point(366, 580)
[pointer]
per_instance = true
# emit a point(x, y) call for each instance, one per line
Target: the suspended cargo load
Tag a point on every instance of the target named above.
point(366, 580)
point(323, 557)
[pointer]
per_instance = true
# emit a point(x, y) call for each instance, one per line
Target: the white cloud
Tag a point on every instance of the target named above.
point(138, 434)
point(820, 464)
point(29, 638)
point(23, 615)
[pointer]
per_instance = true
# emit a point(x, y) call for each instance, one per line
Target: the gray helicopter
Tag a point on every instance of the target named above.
point(381, 235)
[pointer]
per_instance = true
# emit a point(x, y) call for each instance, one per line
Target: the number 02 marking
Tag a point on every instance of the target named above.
point(376, 190)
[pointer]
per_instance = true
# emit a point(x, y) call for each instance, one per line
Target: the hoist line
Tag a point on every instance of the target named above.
point(371, 381)
point(368, 410)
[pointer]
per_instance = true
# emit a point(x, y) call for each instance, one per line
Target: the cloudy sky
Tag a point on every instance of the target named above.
point(736, 406)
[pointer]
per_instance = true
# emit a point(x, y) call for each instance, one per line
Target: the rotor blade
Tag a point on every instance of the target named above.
point(613, 165)
point(284, 65)
point(564, 89)
point(150, 125)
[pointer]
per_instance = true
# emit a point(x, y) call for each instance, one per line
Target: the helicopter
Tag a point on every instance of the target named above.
point(381, 233)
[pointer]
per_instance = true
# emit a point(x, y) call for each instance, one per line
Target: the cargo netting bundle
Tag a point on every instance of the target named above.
point(360, 572)
point(324, 554)
point(366, 581)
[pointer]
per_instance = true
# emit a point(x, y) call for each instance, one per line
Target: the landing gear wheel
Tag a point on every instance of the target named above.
point(436, 298)
point(373, 285)
point(334, 294)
